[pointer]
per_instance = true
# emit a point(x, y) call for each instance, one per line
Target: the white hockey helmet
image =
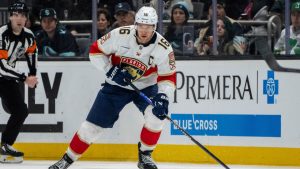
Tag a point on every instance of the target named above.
point(146, 15)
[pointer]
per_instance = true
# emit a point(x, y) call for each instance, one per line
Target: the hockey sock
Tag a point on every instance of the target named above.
point(149, 139)
point(77, 147)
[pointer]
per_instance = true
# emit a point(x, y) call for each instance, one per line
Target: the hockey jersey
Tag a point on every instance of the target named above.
point(12, 48)
point(149, 64)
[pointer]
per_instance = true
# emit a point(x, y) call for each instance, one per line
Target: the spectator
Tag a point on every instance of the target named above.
point(53, 40)
point(103, 23)
point(204, 46)
point(179, 34)
point(168, 6)
point(124, 15)
point(294, 40)
point(232, 26)
point(278, 8)
point(233, 29)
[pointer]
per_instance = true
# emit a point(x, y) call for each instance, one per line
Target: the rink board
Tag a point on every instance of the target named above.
point(171, 153)
point(242, 111)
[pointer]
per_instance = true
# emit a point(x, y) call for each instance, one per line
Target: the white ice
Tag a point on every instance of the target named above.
point(131, 165)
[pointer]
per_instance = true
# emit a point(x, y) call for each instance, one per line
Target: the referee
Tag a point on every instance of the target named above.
point(16, 41)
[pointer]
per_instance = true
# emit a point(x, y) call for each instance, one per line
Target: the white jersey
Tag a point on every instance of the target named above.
point(148, 64)
point(294, 41)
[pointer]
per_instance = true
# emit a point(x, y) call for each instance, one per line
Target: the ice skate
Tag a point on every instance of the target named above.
point(10, 155)
point(145, 159)
point(63, 163)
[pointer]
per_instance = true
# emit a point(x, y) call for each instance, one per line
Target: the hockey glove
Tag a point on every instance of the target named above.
point(161, 103)
point(118, 75)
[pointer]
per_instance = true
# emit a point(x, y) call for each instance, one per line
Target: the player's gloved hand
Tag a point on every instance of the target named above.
point(161, 103)
point(118, 75)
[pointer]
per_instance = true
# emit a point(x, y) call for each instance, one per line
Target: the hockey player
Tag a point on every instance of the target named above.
point(140, 54)
point(15, 42)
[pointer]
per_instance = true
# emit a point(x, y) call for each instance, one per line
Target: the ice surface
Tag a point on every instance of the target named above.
point(130, 165)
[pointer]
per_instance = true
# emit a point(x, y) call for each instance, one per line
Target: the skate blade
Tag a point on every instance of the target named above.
point(10, 159)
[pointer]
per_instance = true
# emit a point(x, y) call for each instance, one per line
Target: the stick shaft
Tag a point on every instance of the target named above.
point(180, 128)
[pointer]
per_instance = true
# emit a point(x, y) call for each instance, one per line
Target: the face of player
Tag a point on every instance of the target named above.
point(18, 21)
point(48, 24)
point(178, 16)
point(145, 32)
point(102, 22)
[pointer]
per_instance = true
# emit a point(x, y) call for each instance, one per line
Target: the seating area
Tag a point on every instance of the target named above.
point(273, 27)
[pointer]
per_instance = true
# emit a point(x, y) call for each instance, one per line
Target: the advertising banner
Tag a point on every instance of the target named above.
point(223, 103)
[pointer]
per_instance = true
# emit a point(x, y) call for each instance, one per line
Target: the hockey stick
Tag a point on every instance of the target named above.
point(181, 129)
point(262, 46)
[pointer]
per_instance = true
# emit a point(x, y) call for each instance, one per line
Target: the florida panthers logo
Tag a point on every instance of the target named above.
point(135, 67)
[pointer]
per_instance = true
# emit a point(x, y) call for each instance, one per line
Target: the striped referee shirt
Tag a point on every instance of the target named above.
point(12, 48)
